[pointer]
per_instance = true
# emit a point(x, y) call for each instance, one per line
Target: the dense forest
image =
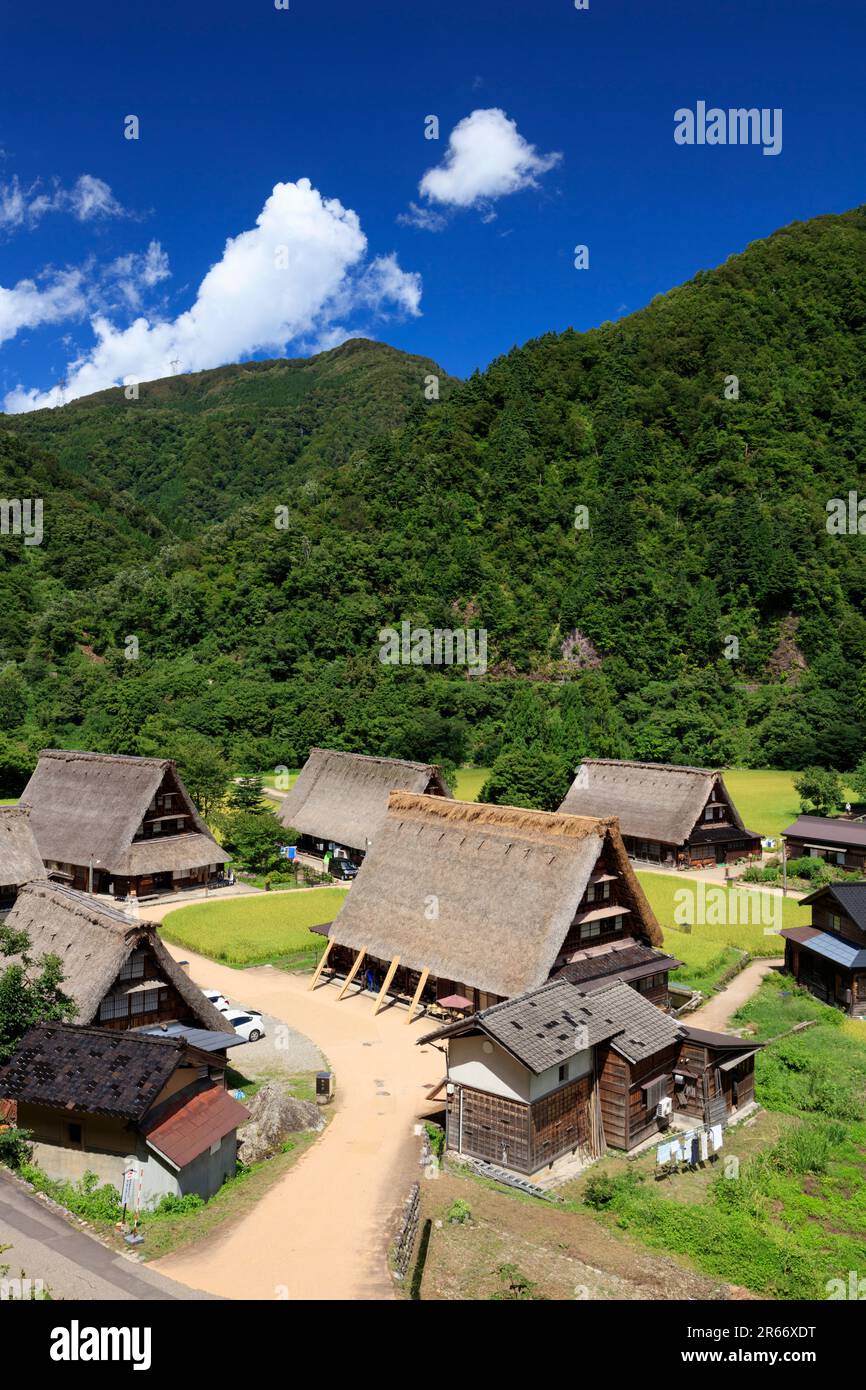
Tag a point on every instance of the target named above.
point(636, 516)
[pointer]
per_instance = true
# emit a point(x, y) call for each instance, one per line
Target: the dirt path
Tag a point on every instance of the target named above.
point(321, 1231)
point(717, 1012)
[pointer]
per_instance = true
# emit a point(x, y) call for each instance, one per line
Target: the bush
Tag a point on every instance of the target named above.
point(602, 1190)
point(15, 1147)
point(459, 1212)
point(436, 1135)
point(173, 1205)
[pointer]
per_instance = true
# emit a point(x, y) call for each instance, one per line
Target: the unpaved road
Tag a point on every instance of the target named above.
point(716, 1014)
point(321, 1231)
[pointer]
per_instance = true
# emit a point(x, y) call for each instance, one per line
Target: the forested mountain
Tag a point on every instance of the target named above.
point(705, 521)
point(193, 447)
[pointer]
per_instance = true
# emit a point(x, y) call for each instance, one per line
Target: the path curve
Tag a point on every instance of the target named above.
point(718, 1011)
point(321, 1231)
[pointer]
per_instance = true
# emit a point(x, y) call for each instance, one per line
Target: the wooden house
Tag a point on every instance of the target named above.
point(106, 1103)
point(714, 1075)
point(339, 800)
point(829, 957)
point(486, 902)
point(838, 841)
point(20, 859)
point(113, 824)
point(557, 1071)
point(682, 817)
point(116, 970)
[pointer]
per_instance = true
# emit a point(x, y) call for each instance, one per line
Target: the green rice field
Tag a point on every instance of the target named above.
point(253, 930)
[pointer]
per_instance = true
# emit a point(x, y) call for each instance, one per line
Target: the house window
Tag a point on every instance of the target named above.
point(114, 1006)
point(563, 1072)
point(133, 967)
point(144, 1001)
point(589, 929)
point(835, 922)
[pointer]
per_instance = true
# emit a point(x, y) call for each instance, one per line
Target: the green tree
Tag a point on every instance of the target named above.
point(204, 771)
point(819, 789)
point(527, 777)
point(245, 793)
point(30, 990)
point(255, 838)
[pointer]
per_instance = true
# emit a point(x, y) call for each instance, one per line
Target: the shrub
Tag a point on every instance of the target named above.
point(436, 1135)
point(173, 1205)
point(459, 1212)
point(602, 1189)
point(15, 1147)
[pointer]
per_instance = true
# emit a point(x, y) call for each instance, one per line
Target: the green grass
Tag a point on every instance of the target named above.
point(469, 782)
point(765, 798)
point(709, 949)
point(252, 931)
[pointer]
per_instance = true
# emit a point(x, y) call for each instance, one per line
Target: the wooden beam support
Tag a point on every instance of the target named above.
point(353, 972)
point(320, 967)
point(418, 992)
point(392, 968)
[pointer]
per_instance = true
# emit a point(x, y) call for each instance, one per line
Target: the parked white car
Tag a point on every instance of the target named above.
point(249, 1024)
point(219, 1001)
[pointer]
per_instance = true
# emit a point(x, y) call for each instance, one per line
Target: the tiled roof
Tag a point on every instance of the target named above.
point(641, 1028)
point(851, 897)
point(185, 1128)
point(595, 965)
point(94, 1070)
point(834, 948)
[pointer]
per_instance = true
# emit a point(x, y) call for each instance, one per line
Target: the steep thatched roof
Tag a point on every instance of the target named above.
point(90, 805)
point(20, 860)
point(479, 894)
point(343, 796)
point(92, 940)
point(652, 801)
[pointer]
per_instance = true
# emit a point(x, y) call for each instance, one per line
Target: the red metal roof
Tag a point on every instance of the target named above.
point(193, 1124)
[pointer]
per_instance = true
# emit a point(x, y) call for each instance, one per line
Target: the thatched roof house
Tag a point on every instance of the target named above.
point(488, 900)
point(341, 798)
point(666, 813)
point(120, 821)
point(20, 859)
point(115, 968)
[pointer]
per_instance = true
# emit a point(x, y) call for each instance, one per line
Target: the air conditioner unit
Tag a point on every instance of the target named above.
point(664, 1107)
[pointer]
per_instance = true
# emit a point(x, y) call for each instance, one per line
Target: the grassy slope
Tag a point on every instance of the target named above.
point(248, 931)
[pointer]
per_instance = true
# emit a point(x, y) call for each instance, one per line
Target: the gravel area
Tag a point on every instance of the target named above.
point(282, 1049)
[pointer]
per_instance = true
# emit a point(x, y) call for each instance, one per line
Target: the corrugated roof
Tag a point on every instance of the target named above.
point(836, 949)
point(184, 1128)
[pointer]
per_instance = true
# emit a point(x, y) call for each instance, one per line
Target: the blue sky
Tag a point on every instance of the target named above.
point(235, 98)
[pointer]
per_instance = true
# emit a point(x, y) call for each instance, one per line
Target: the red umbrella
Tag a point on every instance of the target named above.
point(455, 1001)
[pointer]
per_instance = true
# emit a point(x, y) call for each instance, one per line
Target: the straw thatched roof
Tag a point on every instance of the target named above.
point(92, 940)
point(652, 801)
point(20, 859)
point(343, 796)
point(483, 895)
point(90, 805)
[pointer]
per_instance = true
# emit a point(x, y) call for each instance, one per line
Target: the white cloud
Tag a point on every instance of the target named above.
point(28, 306)
point(487, 158)
point(425, 218)
point(89, 198)
point(134, 272)
point(293, 276)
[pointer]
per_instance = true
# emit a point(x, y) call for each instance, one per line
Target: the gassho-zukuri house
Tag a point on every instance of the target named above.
point(683, 817)
point(120, 825)
point(485, 902)
point(112, 1103)
point(116, 970)
point(339, 800)
point(20, 859)
point(558, 1071)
